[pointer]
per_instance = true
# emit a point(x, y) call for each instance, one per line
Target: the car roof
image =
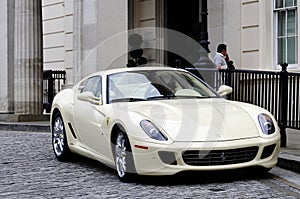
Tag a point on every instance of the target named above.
point(125, 69)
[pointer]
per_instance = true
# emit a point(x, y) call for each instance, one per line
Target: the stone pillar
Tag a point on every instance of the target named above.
point(6, 56)
point(21, 68)
point(28, 58)
point(77, 37)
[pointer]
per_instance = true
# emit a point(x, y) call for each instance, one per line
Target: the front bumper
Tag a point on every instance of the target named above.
point(148, 159)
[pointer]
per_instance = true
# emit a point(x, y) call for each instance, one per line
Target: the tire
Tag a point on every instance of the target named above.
point(59, 139)
point(123, 158)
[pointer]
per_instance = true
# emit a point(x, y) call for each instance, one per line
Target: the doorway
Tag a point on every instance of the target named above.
point(181, 16)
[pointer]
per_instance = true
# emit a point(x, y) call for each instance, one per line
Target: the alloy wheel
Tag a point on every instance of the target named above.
point(120, 155)
point(58, 136)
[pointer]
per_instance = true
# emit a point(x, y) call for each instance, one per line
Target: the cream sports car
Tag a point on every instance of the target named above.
point(160, 121)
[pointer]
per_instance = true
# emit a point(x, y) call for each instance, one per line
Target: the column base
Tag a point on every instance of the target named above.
point(23, 118)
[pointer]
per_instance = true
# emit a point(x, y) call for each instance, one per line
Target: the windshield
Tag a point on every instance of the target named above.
point(155, 85)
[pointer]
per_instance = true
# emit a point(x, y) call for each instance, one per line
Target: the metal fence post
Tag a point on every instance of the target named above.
point(228, 80)
point(50, 91)
point(283, 103)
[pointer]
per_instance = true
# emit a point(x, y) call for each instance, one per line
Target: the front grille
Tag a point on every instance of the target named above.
point(219, 157)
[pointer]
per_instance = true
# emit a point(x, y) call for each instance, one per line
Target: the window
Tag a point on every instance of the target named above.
point(93, 84)
point(286, 31)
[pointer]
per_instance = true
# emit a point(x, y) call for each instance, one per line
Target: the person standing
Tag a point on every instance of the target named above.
point(220, 57)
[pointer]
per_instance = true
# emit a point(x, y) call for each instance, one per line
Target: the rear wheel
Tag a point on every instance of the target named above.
point(59, 139)
point(123, 158)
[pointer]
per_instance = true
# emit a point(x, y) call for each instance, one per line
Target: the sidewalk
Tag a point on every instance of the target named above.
point(289, 157)
point(42, 126)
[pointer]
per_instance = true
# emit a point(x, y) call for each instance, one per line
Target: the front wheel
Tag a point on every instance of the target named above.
point(123, 158)
point(59, 139)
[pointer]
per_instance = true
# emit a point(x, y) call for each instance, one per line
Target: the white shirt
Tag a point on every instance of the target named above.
point(219, 60)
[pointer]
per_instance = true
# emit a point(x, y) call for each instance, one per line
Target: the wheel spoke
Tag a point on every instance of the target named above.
point(60, 145)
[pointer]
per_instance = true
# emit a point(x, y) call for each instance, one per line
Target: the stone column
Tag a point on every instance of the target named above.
point(28, 58)
point(77, 36)
point(6, 56)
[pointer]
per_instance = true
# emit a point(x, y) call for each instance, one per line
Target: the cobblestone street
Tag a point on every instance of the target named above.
point(28, 169)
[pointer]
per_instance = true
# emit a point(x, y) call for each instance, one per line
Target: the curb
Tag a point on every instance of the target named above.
point(27, 127)
point(289, 162)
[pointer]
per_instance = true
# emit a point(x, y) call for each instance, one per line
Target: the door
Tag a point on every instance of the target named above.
point(89, 120)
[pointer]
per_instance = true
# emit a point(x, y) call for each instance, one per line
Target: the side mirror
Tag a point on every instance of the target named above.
point(88, 96)
point(224, 90)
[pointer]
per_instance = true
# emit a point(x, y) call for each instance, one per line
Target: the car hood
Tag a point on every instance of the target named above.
point(201, 120)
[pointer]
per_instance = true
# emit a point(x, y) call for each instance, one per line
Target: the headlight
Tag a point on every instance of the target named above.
point(152, 131)
point(266, 124)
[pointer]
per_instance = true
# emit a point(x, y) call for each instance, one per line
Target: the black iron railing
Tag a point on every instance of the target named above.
point(293, 116)
point(261, 88)
point(276, 91)
point(52, 84)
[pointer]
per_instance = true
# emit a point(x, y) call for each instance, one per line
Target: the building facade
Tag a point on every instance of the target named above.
point(84, 36)
point(259, 34)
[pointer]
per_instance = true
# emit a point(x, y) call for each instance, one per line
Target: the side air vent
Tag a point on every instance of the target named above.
point(268, 151)
point(72, 130)
point(167, 157)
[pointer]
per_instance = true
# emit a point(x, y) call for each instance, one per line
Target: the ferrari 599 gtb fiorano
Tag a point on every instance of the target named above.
point(160, 121)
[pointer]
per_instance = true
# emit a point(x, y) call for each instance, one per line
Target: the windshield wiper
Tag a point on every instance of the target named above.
point(161, 97)
point(179, 97)
point(192, 96)
point(127, 100)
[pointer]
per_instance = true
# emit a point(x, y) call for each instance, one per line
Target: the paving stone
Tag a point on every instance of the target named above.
point(29, 169)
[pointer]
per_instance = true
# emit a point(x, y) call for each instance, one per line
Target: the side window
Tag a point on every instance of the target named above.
point(93, 84)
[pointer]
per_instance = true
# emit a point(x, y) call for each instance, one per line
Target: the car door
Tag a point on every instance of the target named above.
point(88, 118)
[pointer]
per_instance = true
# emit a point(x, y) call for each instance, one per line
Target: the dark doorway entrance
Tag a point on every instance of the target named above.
point(181, 16)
